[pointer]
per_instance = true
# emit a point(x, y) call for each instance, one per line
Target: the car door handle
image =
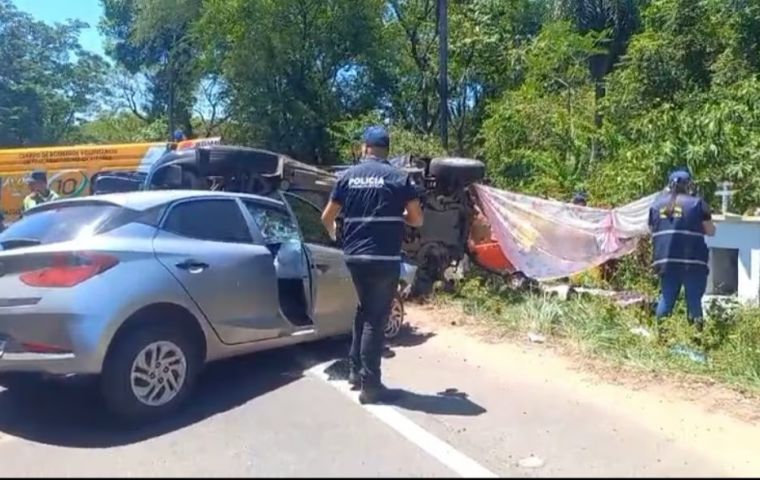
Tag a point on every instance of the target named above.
point(192, 266)
point(322, 267)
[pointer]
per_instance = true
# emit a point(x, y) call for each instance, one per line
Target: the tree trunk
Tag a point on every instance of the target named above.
point(598, 66)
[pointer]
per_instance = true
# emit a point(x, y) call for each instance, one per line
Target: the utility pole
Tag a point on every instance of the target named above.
point(443, 69)
point(172, 81)
point(171, 105)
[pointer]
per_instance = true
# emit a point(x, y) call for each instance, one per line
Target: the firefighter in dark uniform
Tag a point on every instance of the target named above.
point(679, 222)
point(376, 199)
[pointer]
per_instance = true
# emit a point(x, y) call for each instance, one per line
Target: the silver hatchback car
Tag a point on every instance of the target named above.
point(144, 288)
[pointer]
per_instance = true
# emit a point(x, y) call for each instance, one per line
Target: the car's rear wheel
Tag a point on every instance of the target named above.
point(395, 319)
point(459, 171)
point(150, 372)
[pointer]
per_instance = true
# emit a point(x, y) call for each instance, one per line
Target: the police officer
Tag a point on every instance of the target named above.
point(679, 222)
point(40, 192)
point(376, 199)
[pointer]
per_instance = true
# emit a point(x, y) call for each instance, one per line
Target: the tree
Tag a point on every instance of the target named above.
point(617, 20)
point(119, 127)
point(537, 137)
point(485, 37)
point(685, 95)
point(48, 83)
point(411, 34)
point(155, 38)
point(294, 67)
point(212, 109)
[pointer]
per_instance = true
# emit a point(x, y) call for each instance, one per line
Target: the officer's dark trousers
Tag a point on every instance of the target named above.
point(376, 284)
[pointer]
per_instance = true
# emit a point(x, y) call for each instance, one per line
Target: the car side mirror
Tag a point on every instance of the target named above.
point(173, 176)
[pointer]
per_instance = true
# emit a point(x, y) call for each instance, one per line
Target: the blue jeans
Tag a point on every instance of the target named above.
point(694, 284)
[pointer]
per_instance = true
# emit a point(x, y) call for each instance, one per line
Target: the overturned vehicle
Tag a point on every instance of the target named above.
point(450, 209)
point(448, 202)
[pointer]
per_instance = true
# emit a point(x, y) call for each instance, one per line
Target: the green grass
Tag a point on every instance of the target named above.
point(600, 329)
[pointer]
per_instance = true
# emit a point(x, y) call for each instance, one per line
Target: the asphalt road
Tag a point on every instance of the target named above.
point(287, 413)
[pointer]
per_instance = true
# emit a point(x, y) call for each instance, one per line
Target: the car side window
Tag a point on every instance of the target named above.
point(276, 225)
point(310, 219)
point(217, 220)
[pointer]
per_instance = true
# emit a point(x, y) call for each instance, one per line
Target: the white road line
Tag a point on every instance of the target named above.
point(458, 462)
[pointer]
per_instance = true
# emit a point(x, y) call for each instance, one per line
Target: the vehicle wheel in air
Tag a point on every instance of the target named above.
point(395, 319)
point(150, 372)
point(462, 171)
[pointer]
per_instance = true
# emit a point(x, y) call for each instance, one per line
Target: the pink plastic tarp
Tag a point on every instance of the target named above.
point(547, 239)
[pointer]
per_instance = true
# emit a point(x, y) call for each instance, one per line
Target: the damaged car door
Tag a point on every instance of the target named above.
point(335, 298)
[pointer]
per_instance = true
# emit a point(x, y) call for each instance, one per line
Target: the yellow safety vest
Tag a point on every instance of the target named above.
point(34, 199)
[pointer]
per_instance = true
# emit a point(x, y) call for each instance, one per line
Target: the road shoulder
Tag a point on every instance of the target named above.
point(716, 436)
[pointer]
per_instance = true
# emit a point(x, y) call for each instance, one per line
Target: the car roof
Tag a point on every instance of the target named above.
point(144, 200)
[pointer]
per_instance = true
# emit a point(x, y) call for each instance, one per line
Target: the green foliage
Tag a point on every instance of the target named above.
point(155, 38)
point(294, 67)
point(684, 93)
point(346, 136)
point(121, 127)
point(537, 137)
point(47, 82)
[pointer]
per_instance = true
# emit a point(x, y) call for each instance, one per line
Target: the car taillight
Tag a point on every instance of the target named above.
point(69, 270)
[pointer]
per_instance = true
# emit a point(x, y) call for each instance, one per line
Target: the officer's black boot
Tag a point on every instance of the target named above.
point(354, 379)
point(377, 393)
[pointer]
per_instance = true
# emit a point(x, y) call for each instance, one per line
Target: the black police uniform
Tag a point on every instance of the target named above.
point(373, 195)
point(680, 254)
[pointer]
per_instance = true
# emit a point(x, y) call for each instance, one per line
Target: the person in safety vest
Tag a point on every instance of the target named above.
point(679, 222)
point(376, 199)
point(40, 192)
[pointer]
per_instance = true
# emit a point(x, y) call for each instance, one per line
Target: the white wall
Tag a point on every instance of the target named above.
point(743, 234)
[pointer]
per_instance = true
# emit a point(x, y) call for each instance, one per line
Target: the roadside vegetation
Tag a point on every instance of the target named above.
point(728, 351)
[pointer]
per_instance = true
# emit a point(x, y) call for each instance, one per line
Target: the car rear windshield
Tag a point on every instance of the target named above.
point(61, 224)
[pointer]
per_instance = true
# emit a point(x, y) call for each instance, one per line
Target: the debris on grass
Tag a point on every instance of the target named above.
point(641, 332)
point(728, 350)
point(536, 337)
point(689, 353)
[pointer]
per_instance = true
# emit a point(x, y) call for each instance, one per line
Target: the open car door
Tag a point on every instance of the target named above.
point(335, 299)
point(292, 262)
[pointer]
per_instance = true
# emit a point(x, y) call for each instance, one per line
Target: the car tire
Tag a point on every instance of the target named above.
point(126, 380)
point(395, 321)
point(462, 171)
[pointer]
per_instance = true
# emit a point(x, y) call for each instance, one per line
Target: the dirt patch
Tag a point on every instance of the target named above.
point(708, 395)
